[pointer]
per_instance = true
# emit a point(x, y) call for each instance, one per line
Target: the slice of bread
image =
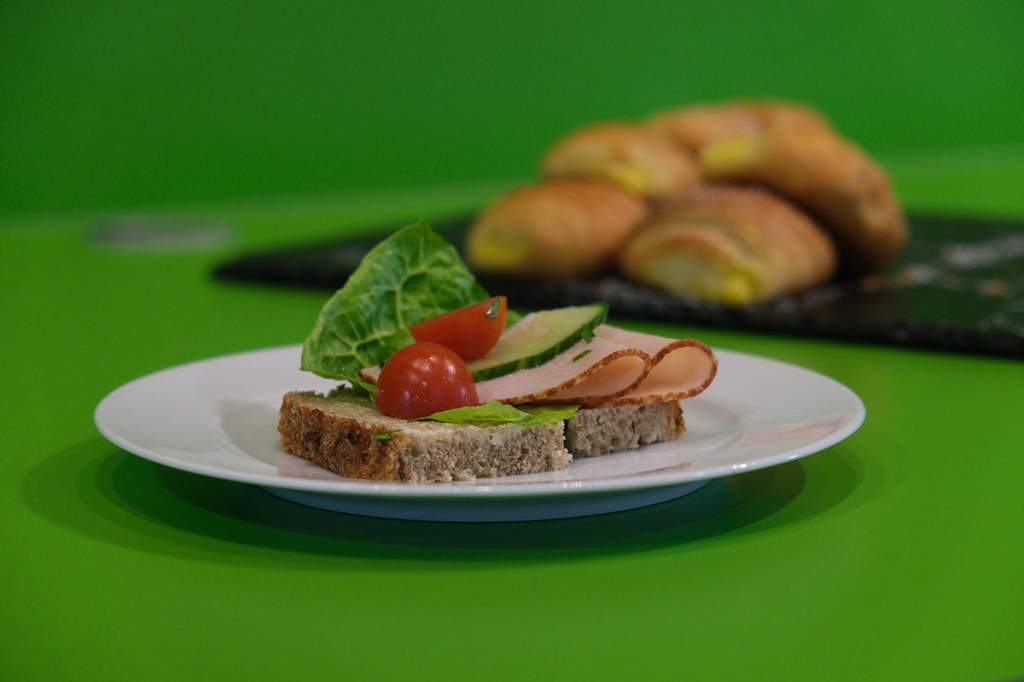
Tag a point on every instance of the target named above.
point(599, 430)
point(344, 432)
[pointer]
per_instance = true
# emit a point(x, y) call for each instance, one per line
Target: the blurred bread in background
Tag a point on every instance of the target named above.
point(734, 202)
point(635, 157)
point(828, 175)
point(696, 126)
point(732, 244)
point(557, 228)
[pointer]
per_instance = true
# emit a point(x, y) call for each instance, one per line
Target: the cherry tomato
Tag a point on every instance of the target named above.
point(423, 378)
point(470, 331)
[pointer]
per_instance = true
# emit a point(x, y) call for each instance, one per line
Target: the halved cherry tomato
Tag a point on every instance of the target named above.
point(470, 331)
point(423, 378)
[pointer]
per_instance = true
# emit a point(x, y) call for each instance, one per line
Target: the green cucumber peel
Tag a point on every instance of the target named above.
point(538, 338)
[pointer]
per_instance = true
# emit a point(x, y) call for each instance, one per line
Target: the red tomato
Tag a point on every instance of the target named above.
point(470, 331)
point(423, 378)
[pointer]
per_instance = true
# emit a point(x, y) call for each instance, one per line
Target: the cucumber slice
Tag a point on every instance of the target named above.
point(537, 338)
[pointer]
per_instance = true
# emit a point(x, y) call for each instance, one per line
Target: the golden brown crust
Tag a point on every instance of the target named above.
point(733, 244)
point(637, 158)
point(561, 227)
point(696, 126)
point(830, 177)
point(347, 447)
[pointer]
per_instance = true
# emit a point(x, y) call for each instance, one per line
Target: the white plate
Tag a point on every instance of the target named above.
point(218, 418)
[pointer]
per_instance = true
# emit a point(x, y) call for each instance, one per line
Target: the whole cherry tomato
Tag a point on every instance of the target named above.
point(470, 331)
point(423, 378)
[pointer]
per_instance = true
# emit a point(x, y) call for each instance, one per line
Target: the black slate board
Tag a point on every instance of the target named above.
point(958, 287)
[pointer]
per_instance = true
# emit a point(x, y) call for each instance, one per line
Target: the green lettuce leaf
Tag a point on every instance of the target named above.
point(410, 276)
point(494, 413)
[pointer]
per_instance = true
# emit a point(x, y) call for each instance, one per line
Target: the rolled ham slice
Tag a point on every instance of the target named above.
point(680, 368)
point(590, 370)
point(616, 367)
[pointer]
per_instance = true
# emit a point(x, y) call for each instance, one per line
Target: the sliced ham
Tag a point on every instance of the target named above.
point(616, 367)
point(680, 368)
point(589, 369)
point(676, 369)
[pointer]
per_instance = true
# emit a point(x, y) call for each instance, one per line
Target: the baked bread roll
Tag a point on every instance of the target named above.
point(829, 176)
point(637, 158)
point(729, 244)
point(562, 227)
point(696, 126)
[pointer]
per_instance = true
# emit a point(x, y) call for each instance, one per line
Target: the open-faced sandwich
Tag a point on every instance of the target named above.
point(439, 381)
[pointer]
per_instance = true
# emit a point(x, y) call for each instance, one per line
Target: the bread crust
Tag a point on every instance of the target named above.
point(705, 238)
point(637, 158)
point(561, 227)
point(698, 125)
point(829, 176)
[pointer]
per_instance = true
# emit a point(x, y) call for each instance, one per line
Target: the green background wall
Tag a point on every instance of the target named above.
point(129, 104)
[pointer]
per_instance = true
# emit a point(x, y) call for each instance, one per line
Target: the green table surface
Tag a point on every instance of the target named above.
point(897, 554)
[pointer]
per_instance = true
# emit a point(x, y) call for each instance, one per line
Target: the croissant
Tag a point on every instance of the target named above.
point(828, 176)
point(560, 227)
point(637, 158)
point(696, 126)
point(729, 244)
